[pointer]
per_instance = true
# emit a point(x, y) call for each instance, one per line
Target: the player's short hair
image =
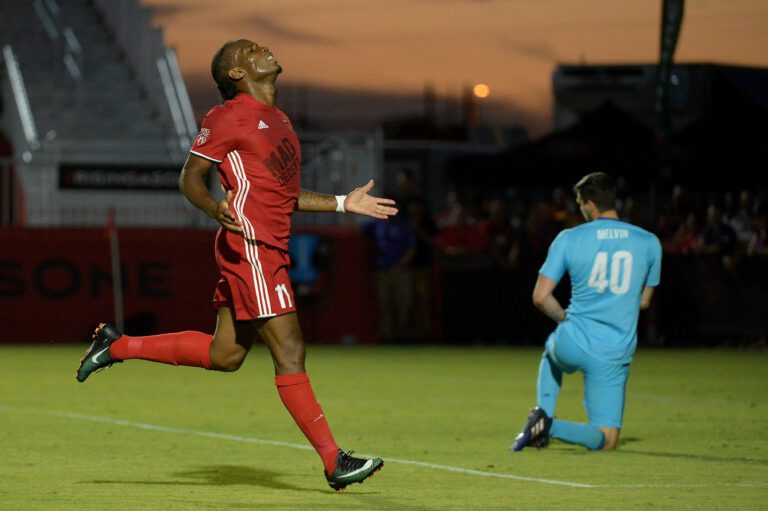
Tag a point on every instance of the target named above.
point(220, 66)
point(598, 187)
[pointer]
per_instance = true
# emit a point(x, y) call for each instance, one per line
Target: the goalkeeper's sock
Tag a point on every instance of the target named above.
point(548, 385)
point(180, 349)
point(588, 435)
point(299, 399)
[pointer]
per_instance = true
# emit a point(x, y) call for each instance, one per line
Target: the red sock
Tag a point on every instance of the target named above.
point(298, 398)
point(181, 348)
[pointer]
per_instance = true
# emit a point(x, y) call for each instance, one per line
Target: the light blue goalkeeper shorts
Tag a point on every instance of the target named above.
point(604, 383)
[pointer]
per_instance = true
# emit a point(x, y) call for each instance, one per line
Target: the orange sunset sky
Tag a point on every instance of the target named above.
point(398, 46)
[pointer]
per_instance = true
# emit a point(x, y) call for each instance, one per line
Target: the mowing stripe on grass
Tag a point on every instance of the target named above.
point(447, 468)
point(236, 438)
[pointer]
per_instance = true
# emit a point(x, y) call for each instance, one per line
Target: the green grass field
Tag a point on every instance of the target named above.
point(147, 436)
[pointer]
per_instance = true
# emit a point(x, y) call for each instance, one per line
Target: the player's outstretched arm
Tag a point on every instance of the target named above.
point(192, 185)
point(357, 201)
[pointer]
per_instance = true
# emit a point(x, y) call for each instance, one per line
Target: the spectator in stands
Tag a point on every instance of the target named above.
point(686, 240)
point(503, 243)
point(541, 227)
point(519, 211)
point(718, 238)
point(405, 187)
point(561, 212)
point(741, 220)
point(421, 267)
point(395, 249)
point(444, 217)
point(631, 211)
point(458, 237)
point(673, 210)
point(682, 201)
point(758, 244)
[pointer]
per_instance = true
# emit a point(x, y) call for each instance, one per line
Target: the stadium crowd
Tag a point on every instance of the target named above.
point(687, 222)
point(512, 231)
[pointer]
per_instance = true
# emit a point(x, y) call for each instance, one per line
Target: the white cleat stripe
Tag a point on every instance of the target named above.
point(364, 467)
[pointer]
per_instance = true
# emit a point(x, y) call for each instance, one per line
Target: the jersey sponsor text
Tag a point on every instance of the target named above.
point(283, 162)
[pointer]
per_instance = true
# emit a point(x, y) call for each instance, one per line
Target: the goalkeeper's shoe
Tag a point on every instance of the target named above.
point(97, 356)
point(351, 470)
point(535, 433)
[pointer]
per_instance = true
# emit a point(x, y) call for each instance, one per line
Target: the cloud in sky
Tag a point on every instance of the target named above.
point(536, 50)
point(258, 25)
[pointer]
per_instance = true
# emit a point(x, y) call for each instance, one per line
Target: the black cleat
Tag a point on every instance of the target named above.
point(352, 470)
point(540, 442)
point(535, 433)
point(97, 357)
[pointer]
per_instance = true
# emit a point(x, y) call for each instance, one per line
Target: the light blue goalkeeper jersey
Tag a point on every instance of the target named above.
point(609, 263)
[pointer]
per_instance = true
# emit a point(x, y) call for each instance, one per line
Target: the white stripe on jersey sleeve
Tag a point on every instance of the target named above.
point(206, 157)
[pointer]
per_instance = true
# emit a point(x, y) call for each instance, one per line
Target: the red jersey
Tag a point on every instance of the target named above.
point(259, 159)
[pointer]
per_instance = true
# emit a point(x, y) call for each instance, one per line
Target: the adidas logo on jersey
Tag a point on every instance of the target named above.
point(263, 125)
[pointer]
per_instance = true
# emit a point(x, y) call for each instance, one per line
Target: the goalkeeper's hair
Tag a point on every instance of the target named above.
point(598, 187)
point(220, 66)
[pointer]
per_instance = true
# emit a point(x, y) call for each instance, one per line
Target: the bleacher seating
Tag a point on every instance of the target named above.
point(106, 104)
point(95, 98)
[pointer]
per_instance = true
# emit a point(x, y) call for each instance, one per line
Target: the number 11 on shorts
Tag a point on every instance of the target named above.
point(283, 295)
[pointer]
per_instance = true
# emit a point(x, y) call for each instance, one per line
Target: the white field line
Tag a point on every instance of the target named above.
point(235, 438)
point(447, 468)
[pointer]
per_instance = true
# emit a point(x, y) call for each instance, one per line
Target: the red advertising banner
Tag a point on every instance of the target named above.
point(56, 284)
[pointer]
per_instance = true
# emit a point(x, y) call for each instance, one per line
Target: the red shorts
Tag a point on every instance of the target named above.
point(254, 278)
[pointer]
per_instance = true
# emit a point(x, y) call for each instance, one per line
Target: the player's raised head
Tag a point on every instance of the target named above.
point(599, 188)
point(239, 62)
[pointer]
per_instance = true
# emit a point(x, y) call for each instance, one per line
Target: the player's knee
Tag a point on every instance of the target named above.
point(291, 362)
point(232, 365)
point(228, 362)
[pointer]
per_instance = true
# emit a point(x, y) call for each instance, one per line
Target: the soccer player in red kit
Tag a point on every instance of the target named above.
point(258, 157)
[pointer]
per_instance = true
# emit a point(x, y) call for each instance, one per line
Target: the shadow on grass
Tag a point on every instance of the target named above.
point(221, 475)
point(570, 449)
point(695, 457)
